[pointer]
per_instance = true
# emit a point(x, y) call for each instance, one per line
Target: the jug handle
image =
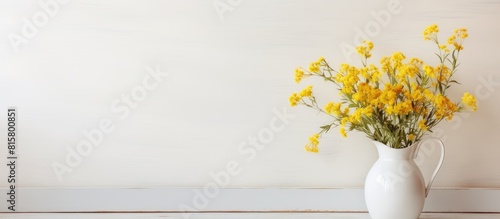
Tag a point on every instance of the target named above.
point(441, 159)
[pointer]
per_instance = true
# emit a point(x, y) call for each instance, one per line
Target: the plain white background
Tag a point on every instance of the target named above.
point(226, 80)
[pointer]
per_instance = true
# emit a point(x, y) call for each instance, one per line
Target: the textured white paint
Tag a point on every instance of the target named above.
point(226, 78)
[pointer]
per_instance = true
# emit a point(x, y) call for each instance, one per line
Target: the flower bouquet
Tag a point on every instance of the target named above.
point(394, 103)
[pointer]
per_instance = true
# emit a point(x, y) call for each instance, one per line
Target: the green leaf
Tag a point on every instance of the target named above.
point(440, 58)
point(326, 127)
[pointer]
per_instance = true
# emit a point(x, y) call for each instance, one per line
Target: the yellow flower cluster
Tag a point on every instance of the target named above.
point(430, 33)
point(392, 63)
point(457, 38)
point(295, 98)
point(333, 108)
point(411, 137)
point(299, 74)
point(342, 132)
point(314, 67)
point(444, 48)
point(469, 100)
point(429, 71)
point(364, 50)
point(443, 72)
point(348, 76)
point(396, 103)
point(313, 144)
point(421, 125)
point(445, 108)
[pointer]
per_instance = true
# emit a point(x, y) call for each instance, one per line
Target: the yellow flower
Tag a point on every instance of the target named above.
point(445, 107)
point(346, 111)
point(349, 81)
point(452, 111)
point(355, 118)
point(411, 137)
point(363, 92)
point(306, 92)
point(429, 71)
point(422, 125)
point(314, 139)
point(314, 67)
point(344, 67)
point(390, 110)
point(333, 108)
point(294, 99)
point(403, 108)
point(299, 74)
point(440, 103)
point(342, 132)
point(329, 107)
point(397, 59)
point(443, 72)
point(385, 63)
point(373, 99)
point(344, 121)
point(469, 100)
point(390, 94)
point(313, 144)
point(462, 32)
point(367, 111)
point(415, 61)
point(417, 95)
point(444, 48)
point(451, 39)
point(428, 94)
point(374, 74)
point(364, 72)
point(364, 49)
point(370, 45)
point(408, 70)
point(430, 33)
point(457, 38)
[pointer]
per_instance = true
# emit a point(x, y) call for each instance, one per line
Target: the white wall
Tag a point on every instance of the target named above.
point(226, 80)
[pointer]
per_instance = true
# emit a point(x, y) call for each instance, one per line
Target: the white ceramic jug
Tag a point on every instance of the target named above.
point(395, 187)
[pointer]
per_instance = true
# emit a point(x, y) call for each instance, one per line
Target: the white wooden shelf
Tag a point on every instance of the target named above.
point(232, 216)
point(90, 200)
